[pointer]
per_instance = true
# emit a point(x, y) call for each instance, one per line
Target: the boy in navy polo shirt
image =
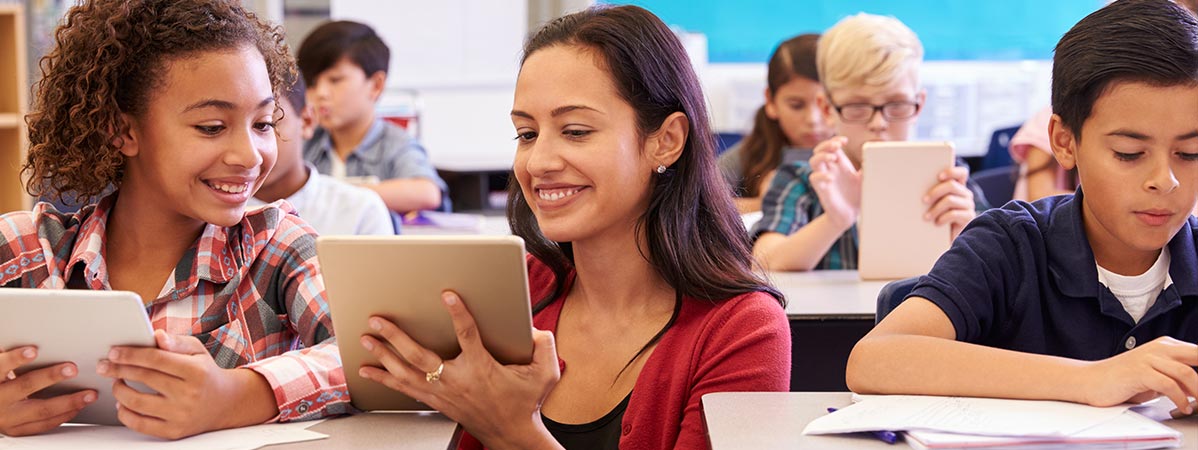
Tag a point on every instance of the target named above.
point(1090, 298)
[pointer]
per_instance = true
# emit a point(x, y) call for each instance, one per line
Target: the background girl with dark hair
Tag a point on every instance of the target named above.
point(174, 103)
point(785, 128)
point(640, 269)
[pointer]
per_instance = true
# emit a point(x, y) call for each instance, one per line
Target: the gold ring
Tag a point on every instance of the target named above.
point(435, 376)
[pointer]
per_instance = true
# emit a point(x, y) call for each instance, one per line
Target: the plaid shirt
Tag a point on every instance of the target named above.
point(252, 293)
point(791, 202)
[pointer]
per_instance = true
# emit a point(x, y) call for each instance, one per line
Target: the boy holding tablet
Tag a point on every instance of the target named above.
point(869, 67)
point(1090, 298)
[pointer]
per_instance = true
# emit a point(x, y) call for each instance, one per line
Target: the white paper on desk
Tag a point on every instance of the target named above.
point(1128, 431)
point(120, 438)
point(964, 415)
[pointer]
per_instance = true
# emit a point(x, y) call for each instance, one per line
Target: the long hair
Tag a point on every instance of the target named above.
point(109, 57)
point(794, 58)
point(694, 237)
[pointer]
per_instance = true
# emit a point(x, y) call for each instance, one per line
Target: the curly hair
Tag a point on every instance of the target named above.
point(108, 58)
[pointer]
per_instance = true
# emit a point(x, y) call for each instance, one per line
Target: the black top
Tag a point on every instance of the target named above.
point(602, 434)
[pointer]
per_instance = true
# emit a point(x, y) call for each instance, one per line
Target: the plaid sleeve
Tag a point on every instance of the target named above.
point(19, 246)
point(307, 380)
point(784, 207)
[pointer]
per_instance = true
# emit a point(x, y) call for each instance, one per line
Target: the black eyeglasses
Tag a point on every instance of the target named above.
point(864, 112)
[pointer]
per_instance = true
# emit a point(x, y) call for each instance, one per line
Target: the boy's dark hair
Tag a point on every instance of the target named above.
point(296, 88)
point(328, 43)
point(1145, 41)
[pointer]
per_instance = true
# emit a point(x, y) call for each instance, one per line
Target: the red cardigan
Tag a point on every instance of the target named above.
point(739, 344)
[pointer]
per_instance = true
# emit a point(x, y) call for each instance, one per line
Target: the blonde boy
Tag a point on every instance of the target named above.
point(869, 67)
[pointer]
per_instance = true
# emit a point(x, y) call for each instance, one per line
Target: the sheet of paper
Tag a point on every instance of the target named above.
point(71, 437)
point(980, 416)
point(1127, 431)
point(1158, 409)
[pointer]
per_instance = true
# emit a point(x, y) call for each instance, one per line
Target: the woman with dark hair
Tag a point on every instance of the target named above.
point(639, 268)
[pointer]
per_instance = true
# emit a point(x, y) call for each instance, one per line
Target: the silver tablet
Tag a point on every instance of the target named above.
point(402, 277)
point(895, 240)
point(78, 326)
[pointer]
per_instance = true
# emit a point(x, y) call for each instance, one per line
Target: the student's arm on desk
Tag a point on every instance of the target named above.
point(837, 186)
point(914, 351)
point(408, 194)
point(800, 251)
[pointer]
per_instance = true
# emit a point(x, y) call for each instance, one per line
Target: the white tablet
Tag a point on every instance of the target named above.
point(78, 326)
point(894, 239)
point(402, 277)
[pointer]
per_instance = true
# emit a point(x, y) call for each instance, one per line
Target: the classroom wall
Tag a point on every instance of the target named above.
point(456, 63)
point(987, 64)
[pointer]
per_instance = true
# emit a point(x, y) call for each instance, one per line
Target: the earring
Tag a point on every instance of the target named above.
point(661, 168)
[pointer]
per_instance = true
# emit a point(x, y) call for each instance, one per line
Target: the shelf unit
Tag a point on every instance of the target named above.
point(14, 99)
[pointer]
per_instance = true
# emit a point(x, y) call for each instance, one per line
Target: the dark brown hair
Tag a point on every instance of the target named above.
point(331, 41)
point(794, 58)
point(695, 239)
point(109, 56)
point(1148, 41)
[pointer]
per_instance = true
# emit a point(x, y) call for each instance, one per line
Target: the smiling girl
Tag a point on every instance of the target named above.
point(174, 103)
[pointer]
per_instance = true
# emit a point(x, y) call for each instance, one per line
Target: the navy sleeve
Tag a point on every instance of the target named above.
point(980, 278)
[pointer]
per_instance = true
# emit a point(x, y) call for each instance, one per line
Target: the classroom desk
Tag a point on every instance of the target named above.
point(775, 420)
point(429, 431)
point(471, 183)
point(829, 312)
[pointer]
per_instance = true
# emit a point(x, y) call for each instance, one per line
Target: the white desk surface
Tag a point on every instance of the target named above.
point(775, 420)
point(827, 294)
point(476, 165)
point(429, 431)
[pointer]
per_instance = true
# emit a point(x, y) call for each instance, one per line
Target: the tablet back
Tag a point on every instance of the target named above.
point(894, 239)
point(402, 277)
point(77, 326)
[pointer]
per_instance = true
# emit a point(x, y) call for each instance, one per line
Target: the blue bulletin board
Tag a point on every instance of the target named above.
point(993, 30)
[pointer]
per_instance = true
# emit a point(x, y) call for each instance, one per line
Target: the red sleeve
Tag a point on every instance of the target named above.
point(746, 348)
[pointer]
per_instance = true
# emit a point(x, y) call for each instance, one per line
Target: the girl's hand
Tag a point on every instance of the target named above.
point(1164, 366)
point(23, 416)
point(836, 182)
point(498, 404)
point(192, 394)
point(950, 201)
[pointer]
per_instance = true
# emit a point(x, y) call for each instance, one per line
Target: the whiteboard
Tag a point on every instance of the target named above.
point(445, 43)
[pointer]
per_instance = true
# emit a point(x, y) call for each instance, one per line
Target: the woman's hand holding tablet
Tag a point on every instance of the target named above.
point(472, 387)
